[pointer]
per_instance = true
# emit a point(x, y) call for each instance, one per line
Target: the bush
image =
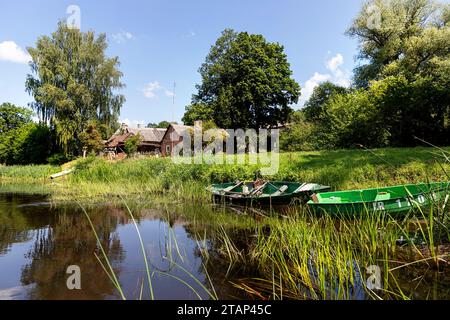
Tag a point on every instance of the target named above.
point(58, 159)
point(132, 144)
point(28, 144)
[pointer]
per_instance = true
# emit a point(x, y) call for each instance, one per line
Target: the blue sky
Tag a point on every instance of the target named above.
point(162, 42)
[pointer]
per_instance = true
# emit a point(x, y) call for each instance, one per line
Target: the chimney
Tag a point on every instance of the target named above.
point(123, 128)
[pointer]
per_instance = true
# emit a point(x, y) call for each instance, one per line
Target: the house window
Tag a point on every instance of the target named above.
point(167, 149)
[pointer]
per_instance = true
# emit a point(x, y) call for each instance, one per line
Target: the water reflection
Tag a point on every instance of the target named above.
point(38, 242)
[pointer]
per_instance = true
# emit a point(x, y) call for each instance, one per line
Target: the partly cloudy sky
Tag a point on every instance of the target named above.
point(11, 52)
point(160, 43)
point(336, 74)
point(122, 37)
point(153, 90)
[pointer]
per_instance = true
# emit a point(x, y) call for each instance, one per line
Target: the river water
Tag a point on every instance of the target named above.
point(39, 241)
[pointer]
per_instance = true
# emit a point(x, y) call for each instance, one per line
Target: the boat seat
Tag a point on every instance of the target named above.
point(231, 188)
point(280, 191)
point(382, 196)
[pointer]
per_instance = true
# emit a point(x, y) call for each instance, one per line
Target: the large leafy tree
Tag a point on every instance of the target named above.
point(73, 82)
point(382, 28)
point(246, 83)
point(320, 96)
point(21, 140)
point(408, 51)
point(91, 139)
point(13, 117)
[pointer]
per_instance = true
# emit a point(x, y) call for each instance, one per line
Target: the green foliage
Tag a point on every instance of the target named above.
point(382, 28)
point(58, 159)
point(162, 124)
point(132, 144)
point(246, 83)
point(352, 119)
point(21, 140)
point(28, 144)
point(320, 96)
point(74, 83)
point(197, 111)
point(13, 117)
point(403, 87)
point(299, 134)
point(91, 139)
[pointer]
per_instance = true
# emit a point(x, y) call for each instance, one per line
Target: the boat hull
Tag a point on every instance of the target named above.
point(296, 192)
point(397, 200)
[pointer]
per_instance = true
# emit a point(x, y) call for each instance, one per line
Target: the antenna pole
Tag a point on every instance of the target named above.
point(173, 102)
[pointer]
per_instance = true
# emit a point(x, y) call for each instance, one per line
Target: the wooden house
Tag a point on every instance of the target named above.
point(172, 137)
point(150, 139)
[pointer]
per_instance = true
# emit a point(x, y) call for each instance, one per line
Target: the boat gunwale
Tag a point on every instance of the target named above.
point(444, 188)
point(216, 191)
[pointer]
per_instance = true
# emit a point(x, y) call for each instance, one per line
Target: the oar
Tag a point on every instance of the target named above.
point(251, 194)
point(234, 187)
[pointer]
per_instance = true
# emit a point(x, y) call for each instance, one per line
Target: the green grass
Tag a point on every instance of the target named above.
point(37, 174)
point(298, 256)
point(342, 169)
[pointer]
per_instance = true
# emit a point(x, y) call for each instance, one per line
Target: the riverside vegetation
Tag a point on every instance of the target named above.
point(293, 254)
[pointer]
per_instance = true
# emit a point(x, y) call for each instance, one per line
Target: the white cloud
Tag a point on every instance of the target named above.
point(150, 88)
point(309, 86)
point(340, 76)
point(122, 37)
point(334, 63)
point(134, 123)
point(169, 93)
point(337, 75)
point(11, 52)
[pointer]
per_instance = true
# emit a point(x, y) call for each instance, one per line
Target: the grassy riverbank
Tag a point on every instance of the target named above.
point(297, 256)
point(343, 169)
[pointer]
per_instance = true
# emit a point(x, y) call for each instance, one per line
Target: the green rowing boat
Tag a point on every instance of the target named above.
point(397, 199)
point(264, 192)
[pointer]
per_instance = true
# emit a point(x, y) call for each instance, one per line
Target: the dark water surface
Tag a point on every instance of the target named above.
point(39, 241)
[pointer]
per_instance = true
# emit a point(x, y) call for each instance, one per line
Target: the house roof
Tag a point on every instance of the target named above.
point(180, 129)
point(115, 140)
point(150, 136)
point(154, 135)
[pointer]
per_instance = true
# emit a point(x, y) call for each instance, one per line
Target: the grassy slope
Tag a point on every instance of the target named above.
point(343, 169)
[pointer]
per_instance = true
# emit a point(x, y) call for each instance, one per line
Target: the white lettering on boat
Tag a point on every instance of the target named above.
point(421, 199)
point(378, 205)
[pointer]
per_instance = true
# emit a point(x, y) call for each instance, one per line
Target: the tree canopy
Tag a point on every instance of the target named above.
point(319, 98)
point(73, 82)
point(401, 89)
point(21, 140)
point(13, 117)
point(162, 124)
point(246, 83)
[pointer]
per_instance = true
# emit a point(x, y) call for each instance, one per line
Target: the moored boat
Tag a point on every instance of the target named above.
point(396, 199)
point(265, 192)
